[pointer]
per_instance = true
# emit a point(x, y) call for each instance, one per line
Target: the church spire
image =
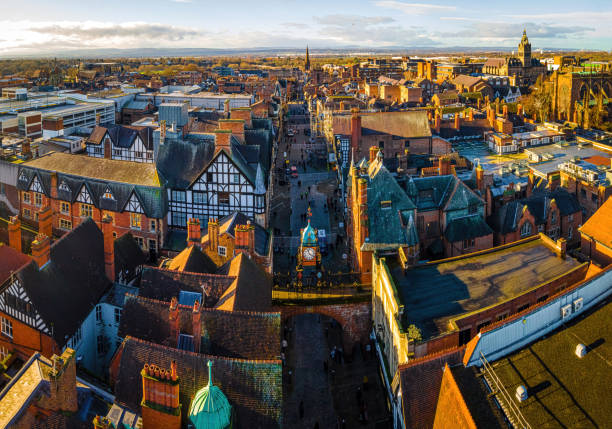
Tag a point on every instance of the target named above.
point(307, 63)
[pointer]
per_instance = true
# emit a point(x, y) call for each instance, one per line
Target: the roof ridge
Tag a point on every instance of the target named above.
point(202, 355)
point(429, 357)
point(192, 273)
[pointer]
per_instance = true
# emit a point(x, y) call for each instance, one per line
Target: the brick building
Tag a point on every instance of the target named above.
point(589, 179)
point(596, 235)
point(75, 187)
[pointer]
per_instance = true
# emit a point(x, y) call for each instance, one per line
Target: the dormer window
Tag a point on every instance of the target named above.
point(108, 194)
point(64, 187)
point(385, 204)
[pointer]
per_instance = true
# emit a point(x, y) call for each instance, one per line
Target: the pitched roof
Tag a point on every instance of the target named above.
point(228, 225)
point(466, 228)
point(70, 285)
point(128, 255)
point(250, 291)
point(235, 334)
point(193, 260)
point(408, 124)
point(253, 388)
point(110, 170)
point(420, 382)
point(10, 261)
point(466, 80)
point(163, 284)
point(181, 161)
point(599, 226)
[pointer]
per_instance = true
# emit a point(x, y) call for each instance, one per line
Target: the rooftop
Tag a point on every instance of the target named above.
point(565, 391)
point(549, 157)
point(111, 170)
point(474, 282)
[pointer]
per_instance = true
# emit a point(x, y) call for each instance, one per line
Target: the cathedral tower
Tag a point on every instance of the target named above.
point(524, 50)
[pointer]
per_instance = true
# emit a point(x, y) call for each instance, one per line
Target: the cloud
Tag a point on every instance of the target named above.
point(512, 31)
point(413, 8)
point(93, 31)
point(345, 19)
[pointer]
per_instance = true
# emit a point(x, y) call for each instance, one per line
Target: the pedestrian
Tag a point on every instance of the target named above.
point(301, 410)
point(285, 344)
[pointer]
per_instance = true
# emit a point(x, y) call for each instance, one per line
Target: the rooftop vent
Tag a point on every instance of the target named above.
point(521, 393)
point(581, 350)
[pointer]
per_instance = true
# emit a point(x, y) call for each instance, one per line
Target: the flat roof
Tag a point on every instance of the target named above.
point(112, 170)
point(564, 390)
point(435, 293)
point(561, 154)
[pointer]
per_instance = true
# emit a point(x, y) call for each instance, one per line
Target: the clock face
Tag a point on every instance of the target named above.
point(309, 254)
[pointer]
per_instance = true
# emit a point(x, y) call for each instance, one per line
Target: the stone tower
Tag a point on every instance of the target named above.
point(524, 50)
point(307, 63)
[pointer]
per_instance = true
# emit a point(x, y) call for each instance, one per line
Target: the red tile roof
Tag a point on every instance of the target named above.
point(599, 226)
point(10, 261)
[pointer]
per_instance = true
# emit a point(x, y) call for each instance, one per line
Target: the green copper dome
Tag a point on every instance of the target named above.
point(309, 236)
point(210, 408)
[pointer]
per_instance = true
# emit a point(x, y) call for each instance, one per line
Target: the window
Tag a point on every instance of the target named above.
point(117, 315)
point(149, 156)
point(385, 204)
point(542, 298)
point(482, 325)
point(64, 187)
point(179, 196)
point(139, 155)
point(135, 220)
point(153, 245)
point(98, 150)
point(86, 210)
point(522, 307)
point(199, 197)
point(140, 242)
point(569, 233)
point(209, 177)
point(469, 243)
point(235, 178)
point(570, 218)
point(6, 327)
point(594, 198)
point(179, 219)
point(4, 352)
point(222, 251)
point(65, 224)
point(407, 144)
point(381, 144)
point(152, 225)
point(78, 335)
point(98, 313)
point(100, 344)
point(26, 198)
point(64, 207)
point(37, 199)
point(502, 316)
point(526, 229)
point(116, 152)
point(224, 198)
point(108, 194)
point(19, 304)
point(27, 213)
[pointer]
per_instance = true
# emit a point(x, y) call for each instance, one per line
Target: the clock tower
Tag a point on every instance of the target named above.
point(309, 255)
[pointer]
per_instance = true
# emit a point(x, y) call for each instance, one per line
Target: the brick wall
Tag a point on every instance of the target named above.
point(27, 340)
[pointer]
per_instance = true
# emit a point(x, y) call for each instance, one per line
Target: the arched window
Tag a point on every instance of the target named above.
point(526, 229)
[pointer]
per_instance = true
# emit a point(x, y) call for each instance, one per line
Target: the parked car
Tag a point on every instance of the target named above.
point(294, 172)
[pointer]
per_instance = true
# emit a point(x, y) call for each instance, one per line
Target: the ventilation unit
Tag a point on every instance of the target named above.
point(566, 311)
point(581, 350)
point(521, 393)
point(578, 304)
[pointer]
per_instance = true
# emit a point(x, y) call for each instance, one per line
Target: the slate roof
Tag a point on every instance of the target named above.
point(122, 136)
point(253, 388)
point(465, 228)
point(181, 161)
point(137, 105)
point(70, 285)
point(235, 334)
point(128, 255)
point(10, 261)
point(97, 174)
point(429, 193)
point(408, 124)
point(387, 224)
point(163, 284)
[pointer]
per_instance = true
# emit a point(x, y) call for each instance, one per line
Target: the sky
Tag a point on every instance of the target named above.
point(29, 27)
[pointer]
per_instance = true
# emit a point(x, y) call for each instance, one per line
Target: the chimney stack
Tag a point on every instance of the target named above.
point(444, 165)
point(373, 152)
point(244, 113)
point(245, 239)
point(26, 150)
point(236, 126)
point(519, 109)
point(173, 316)
point(223, 139)
point(194, 234)
point(363, 208)
point(41, 250)
point(160, 397)
point(213, 234)
point(109, 247)
point(505, 111)
point(53, 190)
point(437, 124)
point(14, 232)
point(480, 177)
point(457, 121)
point(108, 148)
point(45, 221)
point(196, 316)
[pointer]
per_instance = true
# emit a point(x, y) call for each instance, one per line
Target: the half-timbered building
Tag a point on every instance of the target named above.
point(122, 142)
point(214, 175)
point(77, 187)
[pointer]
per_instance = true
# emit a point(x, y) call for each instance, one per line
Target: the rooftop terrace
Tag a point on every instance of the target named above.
point(435, 293)
point(565, 391)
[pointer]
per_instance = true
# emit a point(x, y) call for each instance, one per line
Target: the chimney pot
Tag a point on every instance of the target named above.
point(41, 248)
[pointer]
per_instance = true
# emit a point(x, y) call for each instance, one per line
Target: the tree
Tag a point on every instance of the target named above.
point(414, 333)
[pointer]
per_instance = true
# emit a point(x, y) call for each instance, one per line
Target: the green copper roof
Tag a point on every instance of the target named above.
point(309, 236)
point(210, 408)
